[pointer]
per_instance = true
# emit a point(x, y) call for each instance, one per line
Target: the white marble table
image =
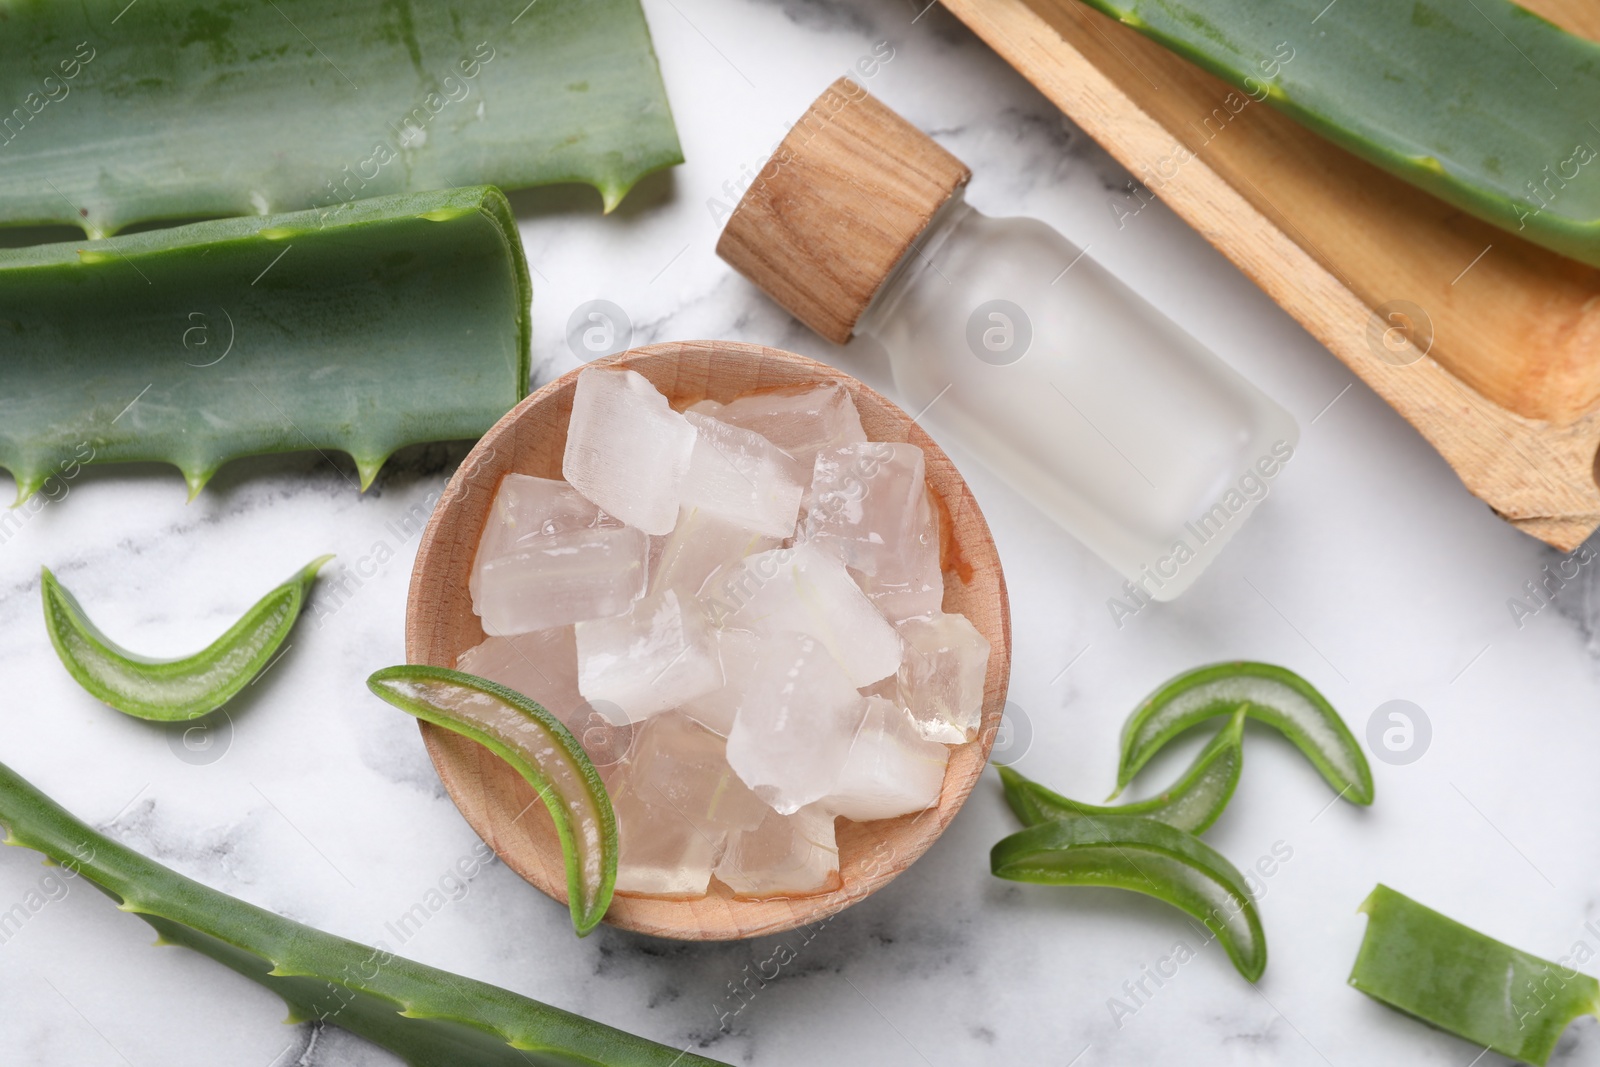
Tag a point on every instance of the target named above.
point(1370, 570)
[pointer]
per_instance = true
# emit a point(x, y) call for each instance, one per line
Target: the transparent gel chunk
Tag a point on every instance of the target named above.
point(627, 450)
point(803, 590)
point(743, 478)
point(794, 728)
point(891, 770)
point(866, 502)
point(548, 557)
point(738, 651)
point(697, 547)
point(941, 680)
point(801, 420)
point(658, 656)
point(786, 856)
point(676, 803)
point(910, 582)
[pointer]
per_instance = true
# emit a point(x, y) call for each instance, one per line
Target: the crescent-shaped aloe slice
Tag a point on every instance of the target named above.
point(1482, 103)
point(1191, 804)
point(542, 750)
point(1450, 976)
point(1133, 852)
point(169, 109)
point(173, 690)
point(427, 1017)
point(360, 328)
point(1272, 695)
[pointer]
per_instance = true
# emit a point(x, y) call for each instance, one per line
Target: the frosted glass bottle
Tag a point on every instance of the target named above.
point(1116, 423)
point(1087, 400)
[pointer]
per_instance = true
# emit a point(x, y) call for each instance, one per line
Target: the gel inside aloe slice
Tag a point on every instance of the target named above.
point(525, 735)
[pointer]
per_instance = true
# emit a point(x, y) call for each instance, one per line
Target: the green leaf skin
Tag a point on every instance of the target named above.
point(183, 109)
point(1450, 976)
point(173, 690)
point(360, 328)
point(427, 1017)
point(543, 751)
point(1149, 857)
point(1271, 695)
point(1192, 804)
point(1470, 100)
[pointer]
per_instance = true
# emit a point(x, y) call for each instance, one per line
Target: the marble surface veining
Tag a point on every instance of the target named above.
point(1369, 569)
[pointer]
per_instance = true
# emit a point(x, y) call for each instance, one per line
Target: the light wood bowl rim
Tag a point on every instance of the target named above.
point(469, 772)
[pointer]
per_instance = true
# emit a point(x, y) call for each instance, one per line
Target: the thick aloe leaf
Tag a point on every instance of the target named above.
point(166, 109)
point(173, 690)
point(1450, 976)
point(359, 328)
point(428, 1017)
point(1480, 102)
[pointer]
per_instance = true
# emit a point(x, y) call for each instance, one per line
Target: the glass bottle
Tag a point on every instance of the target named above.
point(1077, 392)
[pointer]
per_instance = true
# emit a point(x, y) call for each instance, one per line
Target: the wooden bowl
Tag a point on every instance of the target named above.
point(440, 625)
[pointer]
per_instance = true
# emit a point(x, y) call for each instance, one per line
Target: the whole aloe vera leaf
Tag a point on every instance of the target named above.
point(173, 690)
point(200, 108)
point(428, 1017)
point(536, 743)
point(359, 328)
point(1191, 804)
point(1480, 102)
point(1269, 694)
point(1145, 856)
point(1450, 976)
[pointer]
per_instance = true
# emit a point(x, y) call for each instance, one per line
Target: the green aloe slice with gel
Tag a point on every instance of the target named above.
point(1191, 804)
point(360, 328)
point(1450, 976)
point(173, 690)
point(542, 750)
point(1268, 694)
point(117, 113)
point(426, 1016)
point(1145, 856)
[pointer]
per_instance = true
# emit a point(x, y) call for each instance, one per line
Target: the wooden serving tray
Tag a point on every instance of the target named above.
point(1509, 388)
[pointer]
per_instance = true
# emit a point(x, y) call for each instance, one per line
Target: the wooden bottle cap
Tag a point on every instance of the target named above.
point(837, 207)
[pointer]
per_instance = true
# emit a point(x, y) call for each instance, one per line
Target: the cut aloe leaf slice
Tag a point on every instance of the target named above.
point(1149, 857)
point(426, 1016)
point(1484, 104)
point(361, 328)
point(173, 690)
point(1192, 804)
point(542, 750)
point(1272, 695)
point(1466, 983)
point(180, 110)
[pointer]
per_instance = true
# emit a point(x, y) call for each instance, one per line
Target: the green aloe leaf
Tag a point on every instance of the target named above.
point(1480, 102)
point(1269, 694)
point(360, 328)
point(1191, 804)
point(1145, 856)
point(426, 1016)
point(170, 109)
point(536, 743)
point(1449, 975)
point(173, 690)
